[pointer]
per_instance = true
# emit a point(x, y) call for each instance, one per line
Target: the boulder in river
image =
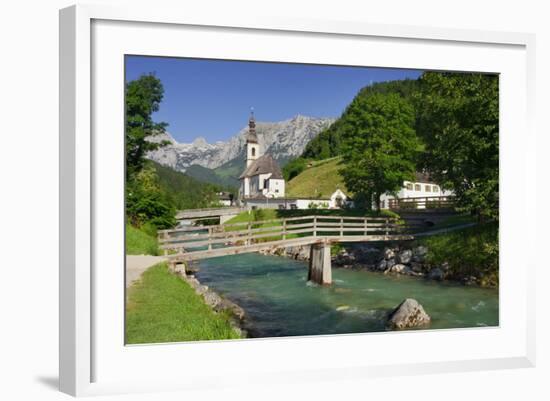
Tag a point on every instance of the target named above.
point(409, 314)
point(436, 274)
point(389, 253)
point(398, 268)
point(382, 265)
point(212, 299)
point(404, 256)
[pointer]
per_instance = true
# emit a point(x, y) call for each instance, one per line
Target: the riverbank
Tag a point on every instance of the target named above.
point(161, 307)
point(468, 256)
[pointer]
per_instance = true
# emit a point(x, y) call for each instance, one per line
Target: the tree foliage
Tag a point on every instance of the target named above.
point(380, 146)
point(330, 142)
point(458, 118)
point(153, 192)
point(143, 98)
point(145, 202)
point(185, 192)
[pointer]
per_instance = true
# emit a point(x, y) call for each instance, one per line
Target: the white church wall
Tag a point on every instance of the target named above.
point(277, 188)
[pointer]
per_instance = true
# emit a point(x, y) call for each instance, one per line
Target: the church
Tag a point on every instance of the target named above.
point(262, 176)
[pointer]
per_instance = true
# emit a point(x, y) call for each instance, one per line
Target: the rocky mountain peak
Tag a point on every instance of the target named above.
point(282, 140)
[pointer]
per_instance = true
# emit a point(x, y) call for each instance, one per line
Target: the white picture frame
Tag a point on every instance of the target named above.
point(92, 352)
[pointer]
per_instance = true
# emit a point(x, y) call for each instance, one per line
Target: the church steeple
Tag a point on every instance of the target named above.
point(251, 137)
point(252, 146)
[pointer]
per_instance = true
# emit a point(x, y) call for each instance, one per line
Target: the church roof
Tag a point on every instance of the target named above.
point(263, 165)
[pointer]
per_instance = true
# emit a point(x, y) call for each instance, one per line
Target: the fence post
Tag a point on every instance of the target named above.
point(209, 238)
point(249, 227)
point(341, 226)
point(314, 226)
point(165, 237)
point(365, 223)
point(387, 226)
point(284, 229)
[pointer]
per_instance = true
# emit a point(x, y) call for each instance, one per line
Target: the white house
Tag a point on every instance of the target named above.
point(262, 177)
point(225, 198)
point(421, 187)
point(337, 200)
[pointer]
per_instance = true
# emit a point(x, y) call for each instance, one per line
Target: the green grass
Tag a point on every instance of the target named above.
point(318, 181)
point(161, 307)
point(456, 220)
point(471, 251)
point(139, 242)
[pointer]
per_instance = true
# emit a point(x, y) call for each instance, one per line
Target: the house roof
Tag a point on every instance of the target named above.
point(225, 196)
point(423, 178)
point(263, 165)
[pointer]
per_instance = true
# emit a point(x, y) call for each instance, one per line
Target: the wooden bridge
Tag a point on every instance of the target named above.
point(422, 203)
point(193, 243)
point(221, 213)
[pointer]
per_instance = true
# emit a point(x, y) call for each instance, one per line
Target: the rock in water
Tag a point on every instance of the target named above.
point(389, 253)
point(404, 256)
point(436, 274)
point(408, 315)
point(398, 268)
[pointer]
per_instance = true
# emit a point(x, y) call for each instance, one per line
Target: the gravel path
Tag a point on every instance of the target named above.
point(137, 264)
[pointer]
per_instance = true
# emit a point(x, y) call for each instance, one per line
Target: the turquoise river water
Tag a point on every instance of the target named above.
point(279, 301)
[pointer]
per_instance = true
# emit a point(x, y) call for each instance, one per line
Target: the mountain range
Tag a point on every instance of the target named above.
point(223, 160)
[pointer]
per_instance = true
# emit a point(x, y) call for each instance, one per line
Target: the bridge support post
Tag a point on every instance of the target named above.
point(320, 269)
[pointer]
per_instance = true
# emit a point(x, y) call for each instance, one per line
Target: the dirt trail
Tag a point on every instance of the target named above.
point(137, 264)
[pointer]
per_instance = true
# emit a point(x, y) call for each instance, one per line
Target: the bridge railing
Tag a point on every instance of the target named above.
point(191, 239)
point(424, 202)
point(208, 212)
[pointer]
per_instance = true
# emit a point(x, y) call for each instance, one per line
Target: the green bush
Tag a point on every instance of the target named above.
point(472, 251)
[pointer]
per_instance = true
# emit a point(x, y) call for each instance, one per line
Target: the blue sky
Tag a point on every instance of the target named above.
point(212, 98)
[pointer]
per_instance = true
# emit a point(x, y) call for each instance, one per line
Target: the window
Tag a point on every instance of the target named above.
point(435, 188)
point(253, 152)
point(276, 191)
point(417, 187)
point(294, 206)
point(428, 188)
point(409, 186)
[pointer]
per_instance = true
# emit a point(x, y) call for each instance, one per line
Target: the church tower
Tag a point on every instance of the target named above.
point(252, 146)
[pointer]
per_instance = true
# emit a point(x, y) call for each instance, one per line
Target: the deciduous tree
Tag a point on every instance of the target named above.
point(458, 117)
point(143, 97)
point(380, 146)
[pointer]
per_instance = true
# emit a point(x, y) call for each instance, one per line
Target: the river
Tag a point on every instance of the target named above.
point(279, 301)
